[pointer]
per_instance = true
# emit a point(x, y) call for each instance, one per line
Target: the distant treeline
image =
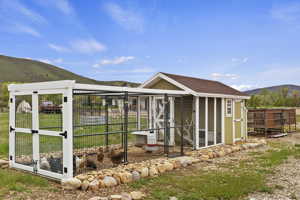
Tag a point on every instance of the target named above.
point(281, 98)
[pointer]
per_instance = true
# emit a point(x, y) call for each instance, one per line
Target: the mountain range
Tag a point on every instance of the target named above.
point(274, 89)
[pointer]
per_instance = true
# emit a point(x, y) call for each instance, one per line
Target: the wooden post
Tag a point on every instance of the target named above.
point(215, 120)
point(206, 121)
point(197, 123)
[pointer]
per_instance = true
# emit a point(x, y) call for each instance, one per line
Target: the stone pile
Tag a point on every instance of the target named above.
point(4, 164)
point(134, 171)
point(135, 195)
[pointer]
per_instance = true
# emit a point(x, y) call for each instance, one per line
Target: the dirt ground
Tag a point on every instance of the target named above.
point(286, 179)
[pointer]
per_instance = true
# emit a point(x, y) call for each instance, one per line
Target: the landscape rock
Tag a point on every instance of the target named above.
point(173, 198)
point(126, 177)
point(109, 181)
point(98, 198)
point(82, 177)
point(135, 195)
point(169, 166)
point(126, 196)
point(135, 176)
point(153, 171)
point(4, 164)
point(144, 172)
point(94, 185)
point(85, 185)
point(115, 197)
point(176, 164)
point(71, 184)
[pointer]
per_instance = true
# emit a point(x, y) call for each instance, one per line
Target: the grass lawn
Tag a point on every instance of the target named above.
point(235, 182)
point(3, 134)
point(10, 180)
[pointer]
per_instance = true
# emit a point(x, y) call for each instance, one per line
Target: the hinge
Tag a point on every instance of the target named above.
point(11, 129)
point(35, 92)
point(34, 131)
point(65, 99)
point(65, 170)
point(11, 100)
point(10, 157)
point(64, 134)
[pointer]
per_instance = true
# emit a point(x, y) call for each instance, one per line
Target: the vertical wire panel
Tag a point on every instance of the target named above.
point(23, 148)
point(210, 136)
point(50, 112)
point(23, 111)
point(183, 125)
point(23, 141)
point(144, 113)
point(51, 153)
point(50, 119)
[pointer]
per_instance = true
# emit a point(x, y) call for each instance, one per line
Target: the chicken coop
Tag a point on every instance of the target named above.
point(62, 128)
point(271, 121)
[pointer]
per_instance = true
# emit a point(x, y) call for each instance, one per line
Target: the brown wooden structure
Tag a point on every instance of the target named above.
point(272, 120)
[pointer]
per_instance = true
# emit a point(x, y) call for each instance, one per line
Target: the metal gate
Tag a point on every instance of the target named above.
point(37, 132)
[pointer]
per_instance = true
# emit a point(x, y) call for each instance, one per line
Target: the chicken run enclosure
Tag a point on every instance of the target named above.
point(61, 129)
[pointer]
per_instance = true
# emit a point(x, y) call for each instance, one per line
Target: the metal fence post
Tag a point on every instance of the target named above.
point(125, 127)
point(106, 123)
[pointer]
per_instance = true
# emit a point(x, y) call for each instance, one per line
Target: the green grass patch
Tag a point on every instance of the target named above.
point(3, 134)
point(236, 182)
point(19, 182)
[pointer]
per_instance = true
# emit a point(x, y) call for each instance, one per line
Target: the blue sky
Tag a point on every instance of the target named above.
point(243, 43)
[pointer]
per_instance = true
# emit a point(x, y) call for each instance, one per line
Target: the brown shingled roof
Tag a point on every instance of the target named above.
point(204, 86)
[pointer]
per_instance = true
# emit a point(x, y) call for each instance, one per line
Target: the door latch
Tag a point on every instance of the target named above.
point(64, 134)
point(11, 129)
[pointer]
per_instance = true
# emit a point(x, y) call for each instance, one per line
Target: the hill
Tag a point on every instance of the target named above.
point(274, 89)
point(26, 70)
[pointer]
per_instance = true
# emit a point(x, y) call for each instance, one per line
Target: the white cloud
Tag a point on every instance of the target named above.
point(128, 19)
point(129, 71)
point(14, 7)
point(224, 76)
point(25, 29)
point(63, 6)
point(239, 60)
point(115, 61)
point(289, 12)
point(58, 48)
point(242, 87)
point(87, 46)
point(48, 61)
point(45, 60)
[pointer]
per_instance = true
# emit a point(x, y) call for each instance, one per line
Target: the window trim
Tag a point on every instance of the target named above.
point(231, 107)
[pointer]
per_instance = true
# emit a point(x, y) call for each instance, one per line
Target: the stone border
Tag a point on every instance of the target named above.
point(151, 168)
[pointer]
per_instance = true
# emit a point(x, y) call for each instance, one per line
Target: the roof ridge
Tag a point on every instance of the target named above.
point(191, 77)
point(192, 84)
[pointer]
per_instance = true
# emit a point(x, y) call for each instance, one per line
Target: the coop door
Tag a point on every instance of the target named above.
point(21, 137)
point(36, 133)
point(238, 119)
point(50, 134)
point(158, 113)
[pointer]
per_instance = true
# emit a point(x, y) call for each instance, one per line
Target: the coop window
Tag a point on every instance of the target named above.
point(228, 107)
